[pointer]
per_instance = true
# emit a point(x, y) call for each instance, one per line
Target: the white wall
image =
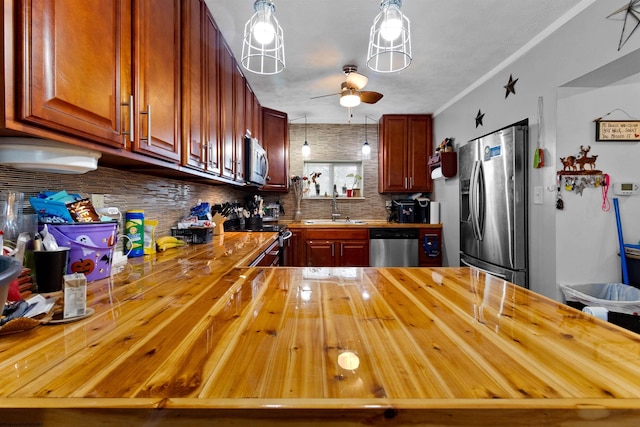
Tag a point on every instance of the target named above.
point(584, 43)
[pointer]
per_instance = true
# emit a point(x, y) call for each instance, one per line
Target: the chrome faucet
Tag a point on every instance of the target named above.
point(335, 213)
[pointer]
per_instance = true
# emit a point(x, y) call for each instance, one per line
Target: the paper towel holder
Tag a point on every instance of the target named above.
point(446, 161)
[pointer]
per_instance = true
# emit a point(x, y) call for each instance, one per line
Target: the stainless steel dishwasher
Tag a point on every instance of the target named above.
point(393, 247)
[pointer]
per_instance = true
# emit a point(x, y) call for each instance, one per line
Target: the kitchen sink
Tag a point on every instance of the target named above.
point(340, 221)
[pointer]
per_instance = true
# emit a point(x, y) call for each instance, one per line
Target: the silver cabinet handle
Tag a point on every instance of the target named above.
point(332, 249)
point(148, 113)
point(130, 131)
point(406, 182)
point(210, 155)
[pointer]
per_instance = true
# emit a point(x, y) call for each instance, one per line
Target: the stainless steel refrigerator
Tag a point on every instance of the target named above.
point(493, 203)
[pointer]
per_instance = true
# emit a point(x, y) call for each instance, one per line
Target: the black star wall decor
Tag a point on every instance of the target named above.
point(479, 118)
point(511, 86)
point(631, 17)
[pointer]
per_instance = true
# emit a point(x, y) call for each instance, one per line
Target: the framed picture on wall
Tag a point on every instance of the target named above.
point(618, 130)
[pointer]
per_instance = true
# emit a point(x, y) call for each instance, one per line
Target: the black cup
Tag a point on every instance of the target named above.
point(50, 267)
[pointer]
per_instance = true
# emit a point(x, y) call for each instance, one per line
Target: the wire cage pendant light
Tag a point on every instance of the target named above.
point(263, 43)
point(389, 39)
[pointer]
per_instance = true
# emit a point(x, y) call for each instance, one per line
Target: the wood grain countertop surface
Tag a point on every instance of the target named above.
point(191, 336)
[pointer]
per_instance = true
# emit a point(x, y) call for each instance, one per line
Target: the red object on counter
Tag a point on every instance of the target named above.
point(14, 291)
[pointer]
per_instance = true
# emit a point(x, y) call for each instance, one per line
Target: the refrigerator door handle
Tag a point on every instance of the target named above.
point(481, 201)
point(474, 189)
point(493, 273)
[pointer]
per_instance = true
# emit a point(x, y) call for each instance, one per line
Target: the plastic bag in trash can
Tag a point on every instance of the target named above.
point(616, 297)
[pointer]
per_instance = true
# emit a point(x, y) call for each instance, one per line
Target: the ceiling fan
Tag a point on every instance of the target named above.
point(351, 93)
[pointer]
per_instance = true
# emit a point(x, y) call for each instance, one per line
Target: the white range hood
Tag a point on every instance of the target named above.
point(44, 155)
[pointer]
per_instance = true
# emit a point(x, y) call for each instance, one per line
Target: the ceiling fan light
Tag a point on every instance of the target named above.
point(357, 80)
point(263, 43)
point(350, 98)
point(389, 39)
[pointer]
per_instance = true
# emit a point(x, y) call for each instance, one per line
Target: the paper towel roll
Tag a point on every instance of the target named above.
point(599, 312)
point(434, 213)
point(436, 173)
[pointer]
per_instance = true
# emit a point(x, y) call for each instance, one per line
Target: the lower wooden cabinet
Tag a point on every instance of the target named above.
point(340, 247)
point(324, 249)
point(430, 247)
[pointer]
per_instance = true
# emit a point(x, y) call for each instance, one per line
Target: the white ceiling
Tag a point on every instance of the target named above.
point(454, 42)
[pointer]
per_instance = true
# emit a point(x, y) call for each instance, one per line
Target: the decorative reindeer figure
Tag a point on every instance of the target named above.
point(584, 159)
point(568, 163)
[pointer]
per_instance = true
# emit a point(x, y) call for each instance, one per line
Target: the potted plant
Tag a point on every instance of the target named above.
point(355, 190)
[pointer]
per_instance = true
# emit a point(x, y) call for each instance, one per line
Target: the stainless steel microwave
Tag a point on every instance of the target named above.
point(256, 163)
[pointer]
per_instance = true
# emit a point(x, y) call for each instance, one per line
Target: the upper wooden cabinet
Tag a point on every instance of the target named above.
point(104, 71)
point(200, 102)
point(73, 68)
point(275, 140)
point(405, 145)
point(157, 77)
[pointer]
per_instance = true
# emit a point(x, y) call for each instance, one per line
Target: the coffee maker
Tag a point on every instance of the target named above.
point(405, 210)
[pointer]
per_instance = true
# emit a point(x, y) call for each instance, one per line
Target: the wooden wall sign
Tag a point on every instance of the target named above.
point(618, 130)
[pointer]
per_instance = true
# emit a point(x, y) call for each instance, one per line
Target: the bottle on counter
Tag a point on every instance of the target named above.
point(134, 229)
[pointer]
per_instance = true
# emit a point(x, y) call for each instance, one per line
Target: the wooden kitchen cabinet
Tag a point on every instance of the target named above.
point(275, 140)
point(200, 112)
point(430, 247)
point(106, 72)
point(323, 249)
point(405, 145)
point(72, 69)
point(227, 125)
point(294, 250)
point(157, 78)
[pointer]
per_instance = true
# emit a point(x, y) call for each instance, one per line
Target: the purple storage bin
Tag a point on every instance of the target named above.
point(91, 244)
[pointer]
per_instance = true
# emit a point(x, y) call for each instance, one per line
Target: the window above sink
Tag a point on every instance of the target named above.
point(323, 175)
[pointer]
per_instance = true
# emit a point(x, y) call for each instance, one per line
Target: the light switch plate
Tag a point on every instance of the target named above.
point(537, 195)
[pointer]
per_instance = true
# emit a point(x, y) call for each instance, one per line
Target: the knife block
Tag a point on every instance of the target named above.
point(218, 220)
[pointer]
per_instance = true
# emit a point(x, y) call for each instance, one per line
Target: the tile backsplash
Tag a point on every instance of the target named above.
point(168, 200)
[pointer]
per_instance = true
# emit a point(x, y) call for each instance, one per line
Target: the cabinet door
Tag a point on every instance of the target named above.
point(239, 121)
point(320, 253)
point(275, 139)
point(419, 149)
point(157, 77)
point(200, 119)
point(226, 145)
point(212, 98)
point(354, 253)
point(430, 247)
point(76, 75)
point(194, 85)
point(294, 250)
point(393, 173)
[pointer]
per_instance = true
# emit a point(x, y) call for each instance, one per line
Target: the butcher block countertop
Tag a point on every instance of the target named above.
point(193, 337)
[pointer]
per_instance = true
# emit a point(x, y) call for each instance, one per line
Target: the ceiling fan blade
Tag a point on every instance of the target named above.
point(356, 80)
point(370, 97)
point(324, 96)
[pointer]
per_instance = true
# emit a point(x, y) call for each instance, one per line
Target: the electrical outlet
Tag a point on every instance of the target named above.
point(537, 195)
point(97, 200)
